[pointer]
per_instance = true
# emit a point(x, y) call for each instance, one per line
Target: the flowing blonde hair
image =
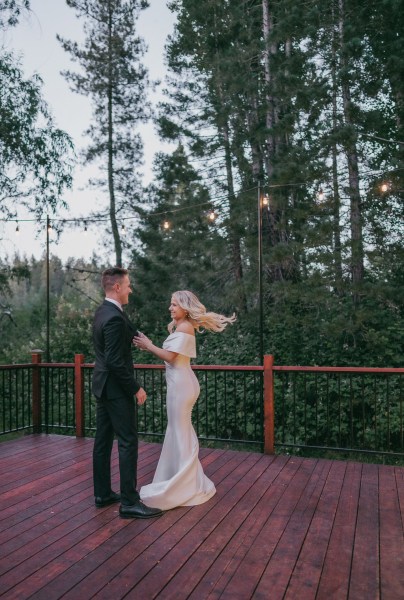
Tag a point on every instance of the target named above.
point(197, 315)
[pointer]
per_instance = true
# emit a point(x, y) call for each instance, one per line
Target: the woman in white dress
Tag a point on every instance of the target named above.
point(179, 479)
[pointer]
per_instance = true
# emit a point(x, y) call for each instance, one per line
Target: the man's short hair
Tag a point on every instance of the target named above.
point(111, 276)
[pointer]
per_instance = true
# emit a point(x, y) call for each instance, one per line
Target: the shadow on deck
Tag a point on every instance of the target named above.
point(278, 527)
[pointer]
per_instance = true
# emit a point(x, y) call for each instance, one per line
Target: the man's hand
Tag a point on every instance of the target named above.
point(141, 396)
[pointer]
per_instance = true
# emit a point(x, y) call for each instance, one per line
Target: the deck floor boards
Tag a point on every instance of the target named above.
point(279, 527)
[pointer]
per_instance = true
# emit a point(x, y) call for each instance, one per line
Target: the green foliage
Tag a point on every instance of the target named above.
point(114, 78)
point(72, 331)
point(189, 254)
point(74, 295)
point(285, 100)
point(355, 411)
point(291, 100)
point(10, 12)
point(35, 156)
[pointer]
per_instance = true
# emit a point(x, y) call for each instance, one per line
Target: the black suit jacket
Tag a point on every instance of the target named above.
point(112, 338)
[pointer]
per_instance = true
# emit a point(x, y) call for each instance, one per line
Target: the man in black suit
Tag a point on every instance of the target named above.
point(114, 387)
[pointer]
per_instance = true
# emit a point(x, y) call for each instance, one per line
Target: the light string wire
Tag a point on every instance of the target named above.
point(171, 211)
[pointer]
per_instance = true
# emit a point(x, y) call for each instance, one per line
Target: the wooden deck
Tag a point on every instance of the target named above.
point(278, 527)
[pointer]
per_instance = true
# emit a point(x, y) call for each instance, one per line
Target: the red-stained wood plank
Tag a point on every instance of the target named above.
point(391, 537)
point(94, 569)
point(281, 563)
point(55, 513)
point(196, 534)
point(399, 473)
point(182, 582)
point(130, 563)
point(67, 490)
point(279, 527)
point(213, 583)
point(306, 573)
point(334, 581)
point(24, 475)
point(244, 580)
point(365, 576)
point(16, 494)
point(34, 455)
point(19, 446)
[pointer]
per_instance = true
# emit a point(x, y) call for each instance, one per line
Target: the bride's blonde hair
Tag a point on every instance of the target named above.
point(197, 315)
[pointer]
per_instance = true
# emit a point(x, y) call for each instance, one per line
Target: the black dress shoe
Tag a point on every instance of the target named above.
point(138, 511)
point(111, 499)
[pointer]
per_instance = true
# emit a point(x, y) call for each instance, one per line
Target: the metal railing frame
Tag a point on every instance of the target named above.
point(268, 370)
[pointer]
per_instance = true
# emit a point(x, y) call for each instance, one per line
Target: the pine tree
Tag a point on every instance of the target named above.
point(10, 11)
point(285, 94)
point(180, 247)
point(116, 81)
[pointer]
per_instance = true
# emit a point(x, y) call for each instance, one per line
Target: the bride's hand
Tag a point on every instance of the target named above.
point(142, 341)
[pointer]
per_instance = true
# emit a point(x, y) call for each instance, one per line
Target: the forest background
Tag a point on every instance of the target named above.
point(300, 103)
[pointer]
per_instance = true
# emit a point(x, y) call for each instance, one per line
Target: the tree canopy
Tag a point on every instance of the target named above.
point(36, 157)
point(114, 78)
point(299, 102)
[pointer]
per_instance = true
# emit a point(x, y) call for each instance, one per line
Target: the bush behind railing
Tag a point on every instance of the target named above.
point(357, 411)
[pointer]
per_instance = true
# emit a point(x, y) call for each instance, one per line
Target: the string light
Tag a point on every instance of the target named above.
point(384, 186)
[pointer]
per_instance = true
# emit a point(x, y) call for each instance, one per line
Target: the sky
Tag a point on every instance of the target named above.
point(34, 39)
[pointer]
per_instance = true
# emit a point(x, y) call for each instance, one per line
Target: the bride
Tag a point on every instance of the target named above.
point(179, 479)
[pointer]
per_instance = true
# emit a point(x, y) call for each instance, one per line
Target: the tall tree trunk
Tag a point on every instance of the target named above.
point(274, 224)
point(337, 253)
point(336, 223)
point(269, 100)
point(357, 255)
point(234, 235)
point(111, 187)
point(223, 127)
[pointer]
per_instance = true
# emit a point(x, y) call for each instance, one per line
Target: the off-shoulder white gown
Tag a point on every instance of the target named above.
point(179, 479)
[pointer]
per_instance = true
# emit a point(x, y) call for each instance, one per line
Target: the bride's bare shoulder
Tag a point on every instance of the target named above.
point(186, 327)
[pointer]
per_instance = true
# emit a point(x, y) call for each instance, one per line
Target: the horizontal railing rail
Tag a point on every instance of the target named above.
point(354, 409)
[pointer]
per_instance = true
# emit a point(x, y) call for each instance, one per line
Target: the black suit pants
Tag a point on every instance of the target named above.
point(116, 415)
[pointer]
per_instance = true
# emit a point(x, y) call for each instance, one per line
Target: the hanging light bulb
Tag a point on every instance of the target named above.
point(384, 187)
point(17, 229)
point(50, 227)
point(166, 225)
point(123, 230)
point(265, 200)
point(320, 195)
point(211, 216)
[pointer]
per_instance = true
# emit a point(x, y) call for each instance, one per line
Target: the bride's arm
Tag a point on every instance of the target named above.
point(144, 343)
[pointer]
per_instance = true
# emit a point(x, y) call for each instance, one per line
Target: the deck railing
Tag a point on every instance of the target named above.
point(329, 408)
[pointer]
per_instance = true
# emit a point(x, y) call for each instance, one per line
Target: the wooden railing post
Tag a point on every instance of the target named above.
point(36, 359)
point(79, 394)
point(269, 428)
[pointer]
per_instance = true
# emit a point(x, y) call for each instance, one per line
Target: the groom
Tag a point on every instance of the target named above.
point(114, 387)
